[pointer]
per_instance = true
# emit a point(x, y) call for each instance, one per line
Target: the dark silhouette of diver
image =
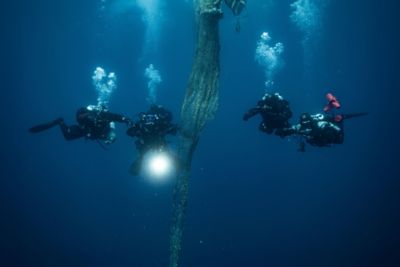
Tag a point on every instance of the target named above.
point(320, 130)
point(236, 6)
point(94, 122)
point(275, 113)
point(326, 129)
point(150, 130)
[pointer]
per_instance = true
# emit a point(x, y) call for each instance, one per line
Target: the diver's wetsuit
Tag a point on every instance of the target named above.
point(150, 130)
point(94, 123)
point(71, 132)
point(275, 113)
point(320, 130)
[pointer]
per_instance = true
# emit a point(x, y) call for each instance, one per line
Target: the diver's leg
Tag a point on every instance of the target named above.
point(71, 132)
point(45, 126)
point(283, 132)
point(136, 166)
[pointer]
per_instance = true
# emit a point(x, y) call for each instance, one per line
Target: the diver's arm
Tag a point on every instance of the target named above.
point(117, 117)
point(134, 130)
point(251, 113)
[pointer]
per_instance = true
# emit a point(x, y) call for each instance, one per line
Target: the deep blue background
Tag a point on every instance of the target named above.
point(254, 200)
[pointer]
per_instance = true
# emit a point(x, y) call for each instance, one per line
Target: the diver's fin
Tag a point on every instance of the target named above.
point(353, 115)
point(45, 126)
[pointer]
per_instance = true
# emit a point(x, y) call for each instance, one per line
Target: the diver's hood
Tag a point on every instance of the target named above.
point(236, 6)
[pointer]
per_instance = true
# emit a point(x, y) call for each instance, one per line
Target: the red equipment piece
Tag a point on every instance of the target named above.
point(332, 102)
point(339, 118)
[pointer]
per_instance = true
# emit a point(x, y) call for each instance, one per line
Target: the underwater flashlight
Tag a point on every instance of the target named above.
point(158, 165)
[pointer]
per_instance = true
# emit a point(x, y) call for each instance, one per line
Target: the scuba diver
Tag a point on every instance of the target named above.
point(236, 6)
point(320, 130)
point(326, 129)
point(150, 131)
point(94, 122)
point(323, 129)
point(275, 113)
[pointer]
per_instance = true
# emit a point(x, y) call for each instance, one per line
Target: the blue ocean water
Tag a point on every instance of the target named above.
point(254, 200)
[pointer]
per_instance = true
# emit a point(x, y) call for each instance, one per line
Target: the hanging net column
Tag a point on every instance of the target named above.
point(199, 106)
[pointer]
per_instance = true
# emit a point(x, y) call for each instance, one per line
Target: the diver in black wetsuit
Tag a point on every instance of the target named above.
point(150, 131)
point(236, 6)
point(94, 122)
point(326, 129)
point(319, 130)
point(322, 130)
point(275, 113)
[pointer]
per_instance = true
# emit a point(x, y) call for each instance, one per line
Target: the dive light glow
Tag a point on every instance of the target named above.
point(158, 164)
